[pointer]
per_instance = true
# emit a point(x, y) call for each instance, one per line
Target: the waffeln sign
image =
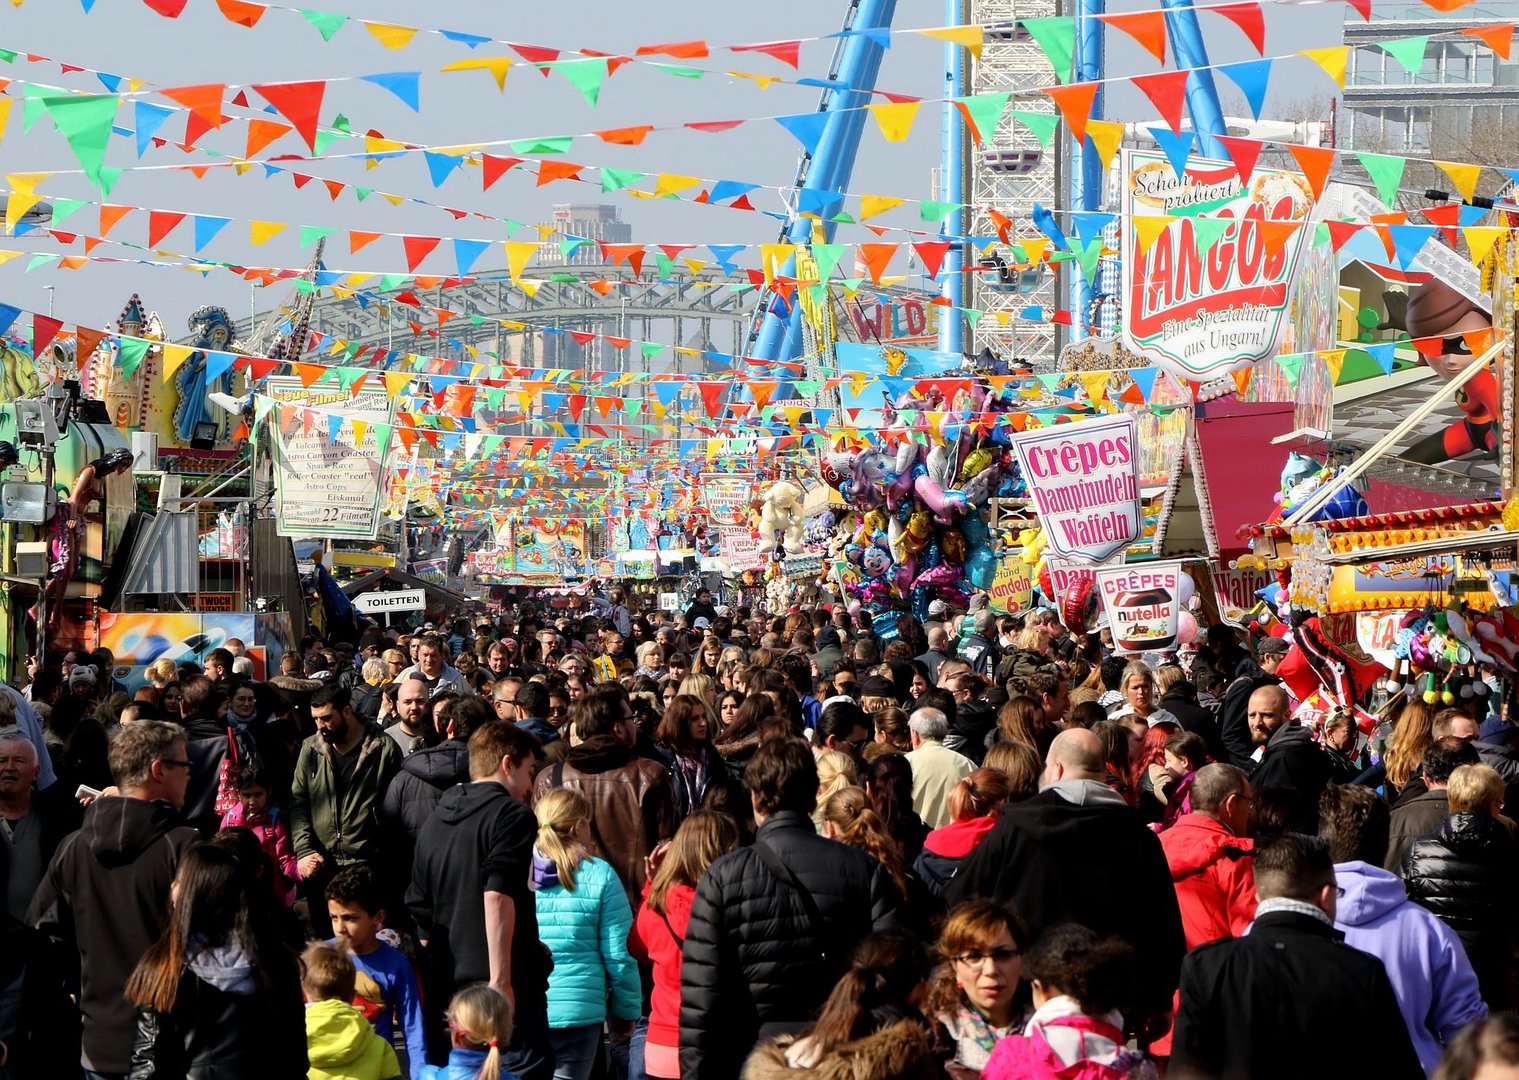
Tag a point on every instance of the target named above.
point(1084, 485)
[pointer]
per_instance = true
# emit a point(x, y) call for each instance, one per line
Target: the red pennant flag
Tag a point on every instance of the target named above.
point(1247, 17)
point(1429, 347)
point(298, 102)
point(536, 54)
point(1447, 217)
point(1075, 104)
point(932, 253)
point(712, 396)
point(787, 52)
point(1167, 91)
point(160, 224)
point(1146, 27)
point(44, 330)
point(1363, 7)
point(712, 127)
point(334, 188)
point(259, 368)
point(549, 171)
point(1315, 162)
point(1244, 153)
point(1340, 232)
point(169, 9)
point(1499, 38)
point(261, 133)
point(496, 167)
point(204, 103)
point(617, 254)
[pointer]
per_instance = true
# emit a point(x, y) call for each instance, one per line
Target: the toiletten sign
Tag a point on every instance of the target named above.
point(1084, 485)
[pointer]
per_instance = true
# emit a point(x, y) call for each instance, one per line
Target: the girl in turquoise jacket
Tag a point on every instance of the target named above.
point(584, 919)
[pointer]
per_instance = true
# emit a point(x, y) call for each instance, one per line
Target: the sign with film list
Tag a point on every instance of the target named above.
point(1084, 484)
point(1143, 602)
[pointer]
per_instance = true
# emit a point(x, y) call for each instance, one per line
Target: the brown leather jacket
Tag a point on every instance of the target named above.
point(632, 804)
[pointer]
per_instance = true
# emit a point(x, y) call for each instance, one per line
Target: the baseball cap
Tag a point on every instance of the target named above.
point(938, 607)
point(701, 623)
point(82, 676)
point(1273, 646)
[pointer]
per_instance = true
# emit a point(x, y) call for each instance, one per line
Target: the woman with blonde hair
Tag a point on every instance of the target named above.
point(162, 672)
point(836, 772)
point(479, 1024)
point(1022, 765)
point(1412, 734)
point(849, 818)
point(974, 804)
point(975, 995)
point(659, 932)
point(583, 920)
point(704, 688)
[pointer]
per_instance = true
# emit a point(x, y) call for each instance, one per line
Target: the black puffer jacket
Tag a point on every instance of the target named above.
point(217, 1034)
point(424, 777)
point(753, 956)
point(1233, 713)
point(1465, 874)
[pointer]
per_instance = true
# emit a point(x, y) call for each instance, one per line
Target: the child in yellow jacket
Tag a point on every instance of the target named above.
point(340, 1043)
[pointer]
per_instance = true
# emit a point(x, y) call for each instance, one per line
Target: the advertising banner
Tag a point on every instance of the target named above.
point(329, 464)
point(1064, 573)
point(1201, 316)
point(1235, 591)
point(1084, 486)
point(740, 550)
point(1143, 601)
point(1012, 588)
point(726, 496)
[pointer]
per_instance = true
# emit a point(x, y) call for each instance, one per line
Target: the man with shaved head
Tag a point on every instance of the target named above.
point(1076, 852)
point(1291, 759)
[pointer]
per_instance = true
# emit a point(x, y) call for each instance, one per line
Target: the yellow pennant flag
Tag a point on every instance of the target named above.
point(261, 231)
point(793, 415)
point(1147, 227)
point(1334, 360)
point(174, 357)
point(696, 265)
point(1095, 383)
point(896, 120)
point(390, 35)
point(518, 252)
point(1105, 136)
point(358, 281)
point(359, 427)
point(1465, 177)
point(673, 184)
point(871, 205)
point(765, 82)
point(22, 198)
point(395, 382)
point(5, 112)
point(1035, 250)
point(529, 286)
point(971, 37)
point(7, 256)
point(773, 257)
point(1480, 240)
point(496, 65)
point(1332, 60)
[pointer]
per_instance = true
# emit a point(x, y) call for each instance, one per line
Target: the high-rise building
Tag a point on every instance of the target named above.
point(1463, 105)
point(591, 221)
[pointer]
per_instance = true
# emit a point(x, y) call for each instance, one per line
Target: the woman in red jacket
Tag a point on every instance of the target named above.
point(659, 931)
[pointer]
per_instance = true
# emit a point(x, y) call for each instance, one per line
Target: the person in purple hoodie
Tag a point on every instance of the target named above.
point(1434, 982)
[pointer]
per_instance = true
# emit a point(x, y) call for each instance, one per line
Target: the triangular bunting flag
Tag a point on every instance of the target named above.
point(1075, 104)
point(1386, 172)
point(298, 102)
point(1056, 36)
point(1332, 60)
point(1167, 91)
point(1148, 28)
point(1249, 18)
point(1252, 78)
point(1315, 162)
point(1105, 136)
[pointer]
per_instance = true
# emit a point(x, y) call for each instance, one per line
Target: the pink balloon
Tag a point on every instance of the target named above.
point(1186, 627)
point(944, 504)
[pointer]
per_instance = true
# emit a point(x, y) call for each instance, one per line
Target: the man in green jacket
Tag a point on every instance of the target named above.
point(340, 780)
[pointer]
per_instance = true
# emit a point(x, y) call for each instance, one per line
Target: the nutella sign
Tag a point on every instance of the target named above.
point(1201, 316)
point(1084, 485)
point(1143, 601)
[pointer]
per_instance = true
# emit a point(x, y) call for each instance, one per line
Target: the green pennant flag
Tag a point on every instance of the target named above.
point(844, 218)
point(131, 354)
point(325, 138)
point(325, 23)
point(1209, 231)
point(1320, 235)
point(1386, 171)
point(1408, 51)
point(678, 70)
point(1042, 124)
point(391, 281)
point(632, 406)
point(972, 315)
point(310, 234)
point(39, 261)
point(567, 248)
point(106, 177)
point(664, 265)
point(33, 103)
point(554, 144)
point(933, 210)
point(9, 55)
point(586, 75)
point(617, 179)
point(650, 349)
point(1057, 37)
point(348, 376)
point(1088, 257)
point(340, 123)
point(808, 387)
point(985, 111)
point(1291, 365)
point(828, 256)
point(306, 287)
point(363, 193)
point(63, 208)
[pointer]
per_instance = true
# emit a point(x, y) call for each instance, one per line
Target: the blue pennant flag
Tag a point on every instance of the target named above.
point(724, 253)
point(206, 228)
point(1251, 76)
point(1045, 222)
point(466, 252)
point(1408, 240)
point(724, 190)
point(148, 118)
point(8, 315)
point(467, 39)
point(1382, 353)
point(822, 203)
point(441, 166)
point(1090, 223)
point(1144, 378)
point(807, 128)
point(403, 84)
point(1176, 147)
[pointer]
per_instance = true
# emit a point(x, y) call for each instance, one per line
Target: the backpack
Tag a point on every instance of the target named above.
point(1030, 1057)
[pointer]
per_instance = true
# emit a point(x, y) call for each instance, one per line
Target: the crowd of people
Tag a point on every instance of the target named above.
point(715, 844)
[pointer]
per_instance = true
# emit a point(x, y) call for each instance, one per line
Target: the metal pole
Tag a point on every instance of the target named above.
point(952, 287)
point(42, 604)
point(1089, 166)
point(1202, 95)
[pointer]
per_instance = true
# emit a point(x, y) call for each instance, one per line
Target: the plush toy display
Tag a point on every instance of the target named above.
point(780, 524)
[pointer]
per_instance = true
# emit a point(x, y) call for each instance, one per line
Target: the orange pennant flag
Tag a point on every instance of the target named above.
point(1075, 104)
point(1499, 38)
point(242, 12)
point(1315, 162)
point(261, 133)
point(358, 240)
point(1275, 234)
point(110, 215)
point(204, 103)
point(876, 257)
point(1148, 28)
point(549, 171)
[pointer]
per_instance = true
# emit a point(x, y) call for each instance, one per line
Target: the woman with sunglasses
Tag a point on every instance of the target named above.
point(976, 995)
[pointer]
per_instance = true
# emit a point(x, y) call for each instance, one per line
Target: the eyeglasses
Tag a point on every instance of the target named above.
point(1000, 955)
point(177, 761)
point(506, 701)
